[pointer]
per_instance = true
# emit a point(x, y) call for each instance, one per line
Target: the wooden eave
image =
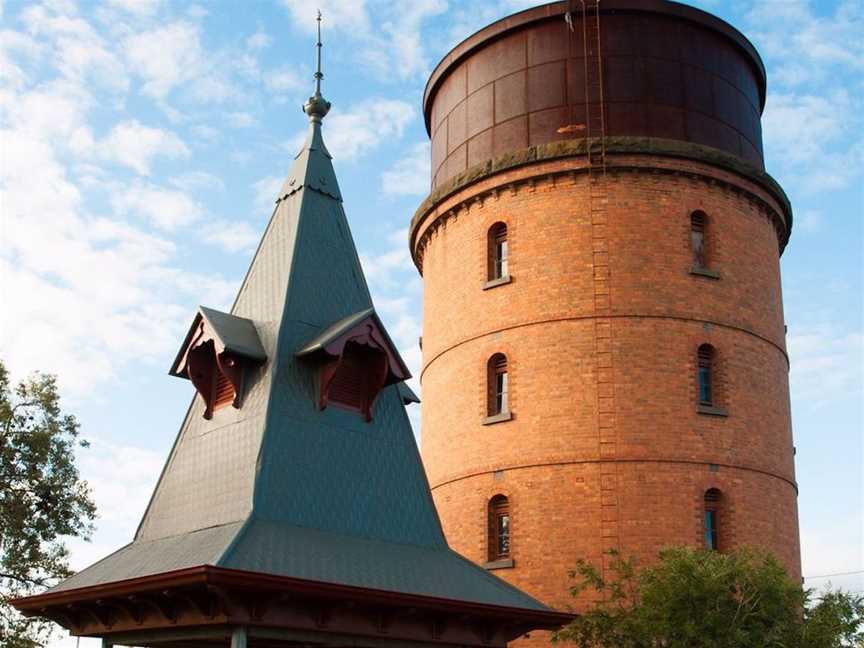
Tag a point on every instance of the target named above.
point(218, 597)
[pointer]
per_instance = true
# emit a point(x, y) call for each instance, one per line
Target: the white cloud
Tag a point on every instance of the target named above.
point(465, 19)
point(806, 48)
point(812, 116)
point(285, 79)
point(358, 131)
point(206, 133)
point(391, 43)
point(259, 40)
point(165, 57)
point(826, 364)
point(51, 111)
point(337, 14)
point(171, 58)
point(232, 236)
point(167, 209)
point(809, 221)
point(410, 175)
point(78, 51)
point(800, 128)
point(135, 145)
point(399, 43)
point(265, 192)
point(137, 7)
point(17, 50)
point(198, 180)
point(121, 477)
point(241, 119)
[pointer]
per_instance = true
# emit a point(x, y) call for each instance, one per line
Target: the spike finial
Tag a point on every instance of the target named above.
point(316, 106)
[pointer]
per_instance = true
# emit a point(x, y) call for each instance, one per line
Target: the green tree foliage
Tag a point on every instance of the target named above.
point(705, 599)
point(42, 499)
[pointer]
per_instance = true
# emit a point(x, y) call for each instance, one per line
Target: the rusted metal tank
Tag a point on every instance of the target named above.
point(669, 71)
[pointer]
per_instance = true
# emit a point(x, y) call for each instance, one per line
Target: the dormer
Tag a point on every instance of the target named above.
point(217, 355)
point(355, 359)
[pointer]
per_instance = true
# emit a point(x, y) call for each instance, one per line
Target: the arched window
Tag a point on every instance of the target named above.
point(705, 363)
point(698, 226)
point(712, 518)
point(498, 252)
point(499, 528)
point(498, 385)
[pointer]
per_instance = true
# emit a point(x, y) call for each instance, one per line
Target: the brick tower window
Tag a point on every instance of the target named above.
point(498, 385)
point(499, 528)
point(499, 249)
point(712, 517)
point(700, 246)
point(706, 371)
point(698, 224)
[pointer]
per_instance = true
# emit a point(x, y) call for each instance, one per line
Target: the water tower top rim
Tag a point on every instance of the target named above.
point(552, 10)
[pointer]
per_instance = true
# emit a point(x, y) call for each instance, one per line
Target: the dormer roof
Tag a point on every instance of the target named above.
point(234, 334)
point(332, 339)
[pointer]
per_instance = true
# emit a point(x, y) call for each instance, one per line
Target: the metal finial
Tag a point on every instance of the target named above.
point(318, 74)
point(316, 106)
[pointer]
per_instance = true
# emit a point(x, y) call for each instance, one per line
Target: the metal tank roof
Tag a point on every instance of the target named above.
point(522, 19)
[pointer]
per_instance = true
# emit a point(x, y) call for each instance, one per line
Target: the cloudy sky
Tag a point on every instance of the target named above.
point(143, 142)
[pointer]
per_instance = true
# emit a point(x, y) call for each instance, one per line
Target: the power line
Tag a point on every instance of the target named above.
point(849, 573)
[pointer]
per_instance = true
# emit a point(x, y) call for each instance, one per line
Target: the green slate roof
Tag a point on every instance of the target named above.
point(407, 394)
point(278, 486)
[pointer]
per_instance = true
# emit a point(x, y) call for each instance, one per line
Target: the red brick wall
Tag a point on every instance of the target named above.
point(609, 453)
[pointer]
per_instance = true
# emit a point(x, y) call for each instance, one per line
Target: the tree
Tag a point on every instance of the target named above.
point(42, 499)
point(706, 599)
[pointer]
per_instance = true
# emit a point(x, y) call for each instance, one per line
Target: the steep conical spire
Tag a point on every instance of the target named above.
point(317, 106)
point(312, 168)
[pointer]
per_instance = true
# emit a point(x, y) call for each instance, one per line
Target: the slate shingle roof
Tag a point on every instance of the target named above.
point(279, 487)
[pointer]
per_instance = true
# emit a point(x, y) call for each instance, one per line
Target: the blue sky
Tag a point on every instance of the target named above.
point(143, 143)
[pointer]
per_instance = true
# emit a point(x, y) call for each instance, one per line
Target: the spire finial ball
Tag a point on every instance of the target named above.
point(316, 106)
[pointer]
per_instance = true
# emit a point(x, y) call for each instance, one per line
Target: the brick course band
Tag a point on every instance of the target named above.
point(575, 149)
point(511, 327)
point(478, 473)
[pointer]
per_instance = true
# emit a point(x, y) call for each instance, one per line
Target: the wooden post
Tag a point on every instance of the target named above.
point(107, 643)
point(238, 637)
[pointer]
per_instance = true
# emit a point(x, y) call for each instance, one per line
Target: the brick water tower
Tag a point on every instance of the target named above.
point(604, 363)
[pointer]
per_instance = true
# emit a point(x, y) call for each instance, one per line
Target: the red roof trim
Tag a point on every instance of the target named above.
point(207, 574)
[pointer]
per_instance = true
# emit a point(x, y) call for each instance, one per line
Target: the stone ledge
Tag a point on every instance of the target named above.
point(506, 563)
point(500, 281)
point(498, 418)
point(711, 410)
point(705, 272)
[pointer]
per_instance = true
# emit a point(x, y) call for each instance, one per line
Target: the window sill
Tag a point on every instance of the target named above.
point(712, 410)
point(504, 563)
point(497, 418)
point(500, 281)
point(704, 272)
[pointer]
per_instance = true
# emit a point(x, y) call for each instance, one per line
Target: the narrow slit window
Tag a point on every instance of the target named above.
point(499, 385)
point(712, 518)
point(698, 225)
point(705, 362)
point(499, 528)
point(499, 251)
